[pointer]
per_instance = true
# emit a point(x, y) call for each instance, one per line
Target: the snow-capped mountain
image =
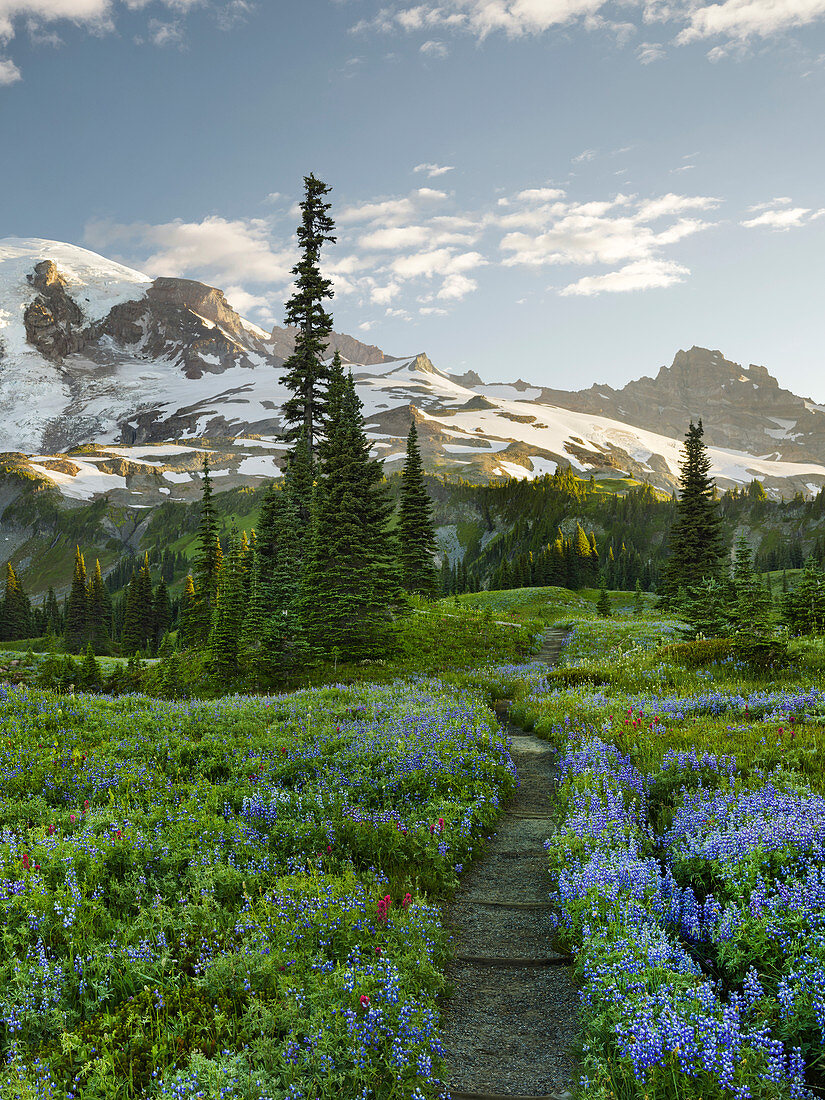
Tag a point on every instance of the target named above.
point(113, 382)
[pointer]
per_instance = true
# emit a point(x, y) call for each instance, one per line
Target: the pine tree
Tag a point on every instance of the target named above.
point(77, 610)
point(305, 373)
point(696, 548)
point(415, 526)
point(207, 565)
point(349, 579)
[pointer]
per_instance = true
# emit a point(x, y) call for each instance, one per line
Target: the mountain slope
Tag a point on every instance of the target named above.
point(113, 383)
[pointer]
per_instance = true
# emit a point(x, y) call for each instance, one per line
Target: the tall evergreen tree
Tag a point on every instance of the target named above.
point(696, 548)
point(305, 373)
point(228, 616)
point(77, 609)
point(207, 564)
point(350, 579)
point(416, 536)
point(99, 618)
point(162, 610)
point(17, 616)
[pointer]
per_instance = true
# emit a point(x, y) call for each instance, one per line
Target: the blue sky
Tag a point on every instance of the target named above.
point(562, 190)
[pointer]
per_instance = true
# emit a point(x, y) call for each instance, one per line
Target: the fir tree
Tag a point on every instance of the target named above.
point(130, 641)
point(415, 526)
point(17, 616)
point(228, 616)
point(162, 610)
point(804, 605)
point(207, 565)
point(696, 548)
point(77, 610)
point(99, 618)
point(305, 372)
point(90, 677)
point(349, 579)
point(704, 608)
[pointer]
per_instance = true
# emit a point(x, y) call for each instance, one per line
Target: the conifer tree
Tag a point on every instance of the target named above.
point(99, 619)
point(415, 526)
point(207, 565)
point(227, 618)
point(696, 548)
point(349, 579)
point(130, 641)
point(17, 615)
point(162, 610)
point(305, 373)
point(52, 612)
point(90, 676)
point(77, 609)
point(146, 606)
point(804, 605)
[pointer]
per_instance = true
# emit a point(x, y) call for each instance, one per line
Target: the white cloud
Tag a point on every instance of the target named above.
point(736, 21)
point(383, 295)
point(638, 275)
point(433, 48)
point(605, 232)
point(515, 18)
point(166, 34)
point(740, 20)
point(456, 287)
point(585, 156)
point(216, 250)
point(648, 52)
point(9, 73)
point(434, 169)
point(779, 214)
point(100, 17)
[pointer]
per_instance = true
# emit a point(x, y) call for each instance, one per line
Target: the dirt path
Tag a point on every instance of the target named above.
point(513, 1013)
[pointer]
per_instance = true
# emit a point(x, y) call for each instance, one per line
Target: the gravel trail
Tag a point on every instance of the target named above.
point(512, 1016)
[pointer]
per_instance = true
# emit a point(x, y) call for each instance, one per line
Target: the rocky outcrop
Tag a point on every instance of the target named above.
point(742, 408)
point(54, 321)
point(282, 344)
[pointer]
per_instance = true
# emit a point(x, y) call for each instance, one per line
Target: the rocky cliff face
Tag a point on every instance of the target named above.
point(743, 408)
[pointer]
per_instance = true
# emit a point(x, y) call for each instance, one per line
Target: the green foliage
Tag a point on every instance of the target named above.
point(168, 962)
point(696, 546)
point(416, 538)
point(305, 373)
point(349, 578)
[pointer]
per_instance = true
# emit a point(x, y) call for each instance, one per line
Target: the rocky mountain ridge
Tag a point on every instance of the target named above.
point(111, 382)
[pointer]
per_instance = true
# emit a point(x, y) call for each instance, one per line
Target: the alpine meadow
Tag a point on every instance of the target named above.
point(446, 725)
